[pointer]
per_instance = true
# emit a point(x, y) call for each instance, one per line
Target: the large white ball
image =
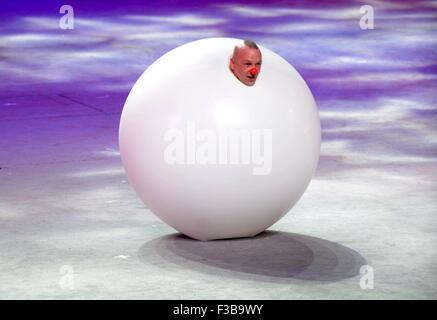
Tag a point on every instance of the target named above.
point(210, 156)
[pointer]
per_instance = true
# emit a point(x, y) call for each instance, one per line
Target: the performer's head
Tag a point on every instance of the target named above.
point(245, 62)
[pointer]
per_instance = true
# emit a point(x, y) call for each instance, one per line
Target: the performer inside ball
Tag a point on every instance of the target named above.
point(245, 62)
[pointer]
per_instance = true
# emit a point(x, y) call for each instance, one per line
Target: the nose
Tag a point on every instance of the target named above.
point(253, 71)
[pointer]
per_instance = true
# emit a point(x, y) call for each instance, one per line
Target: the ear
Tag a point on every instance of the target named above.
point(231, 64)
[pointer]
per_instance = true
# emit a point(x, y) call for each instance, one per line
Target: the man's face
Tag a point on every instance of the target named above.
point(245, 64)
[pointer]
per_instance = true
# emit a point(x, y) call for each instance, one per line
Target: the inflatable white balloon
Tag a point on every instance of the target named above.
point(210, 156)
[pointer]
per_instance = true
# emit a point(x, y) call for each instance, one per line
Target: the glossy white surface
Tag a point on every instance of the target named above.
point(210, 156)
